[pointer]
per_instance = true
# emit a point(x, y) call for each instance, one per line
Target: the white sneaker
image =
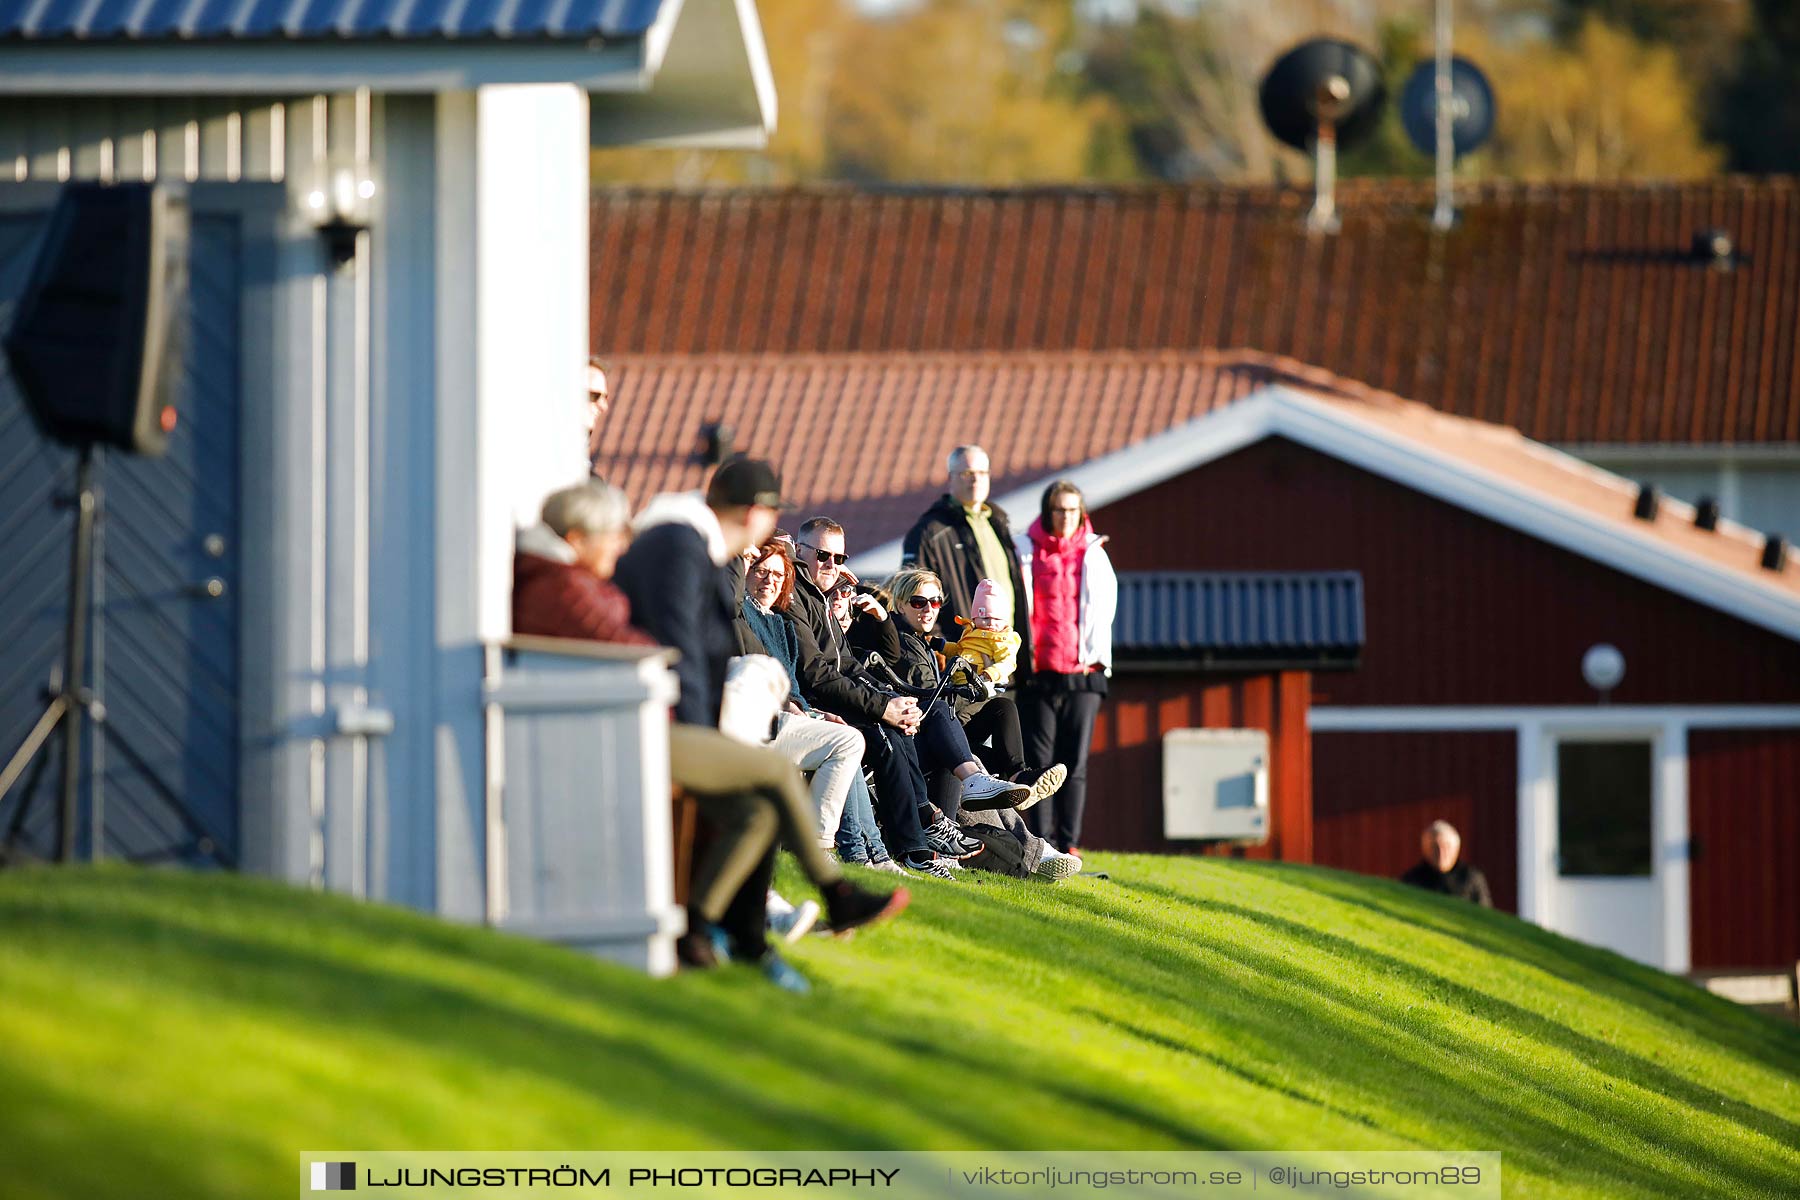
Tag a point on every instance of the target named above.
point(776, 905)
point(792, 925)
point(1057, 865)
point(891, 867)
point(982, 791)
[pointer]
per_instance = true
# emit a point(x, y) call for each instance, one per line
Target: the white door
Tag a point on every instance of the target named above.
point(1604, 885)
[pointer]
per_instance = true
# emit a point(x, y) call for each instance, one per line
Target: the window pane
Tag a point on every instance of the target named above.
point(1603, 808)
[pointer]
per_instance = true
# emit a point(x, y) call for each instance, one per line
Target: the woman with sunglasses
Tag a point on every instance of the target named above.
point(825, 746)
point(919, 599)
point(1074, 594)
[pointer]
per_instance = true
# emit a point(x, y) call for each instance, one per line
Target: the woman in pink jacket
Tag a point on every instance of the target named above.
point(1073, 594)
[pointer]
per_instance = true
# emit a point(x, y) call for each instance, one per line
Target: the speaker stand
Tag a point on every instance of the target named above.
point(70, 702)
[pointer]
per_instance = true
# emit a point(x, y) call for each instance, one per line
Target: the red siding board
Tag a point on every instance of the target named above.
point(1125, 768)
point(1460, 610)
point(1744, 816)
point(1374, 793)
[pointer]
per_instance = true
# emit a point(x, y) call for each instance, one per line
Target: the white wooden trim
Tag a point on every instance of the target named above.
point(1333, 431)
point(1673, 846)
point(1534, 814)
point(1344, 719)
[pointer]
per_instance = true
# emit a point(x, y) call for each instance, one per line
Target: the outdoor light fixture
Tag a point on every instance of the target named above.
point(341, 210)
point(1714, 248)
point(1649, 502)
point(1603, 667)
point(1706, 514)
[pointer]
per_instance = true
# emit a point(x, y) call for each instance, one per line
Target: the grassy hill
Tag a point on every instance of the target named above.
point(167, 1033)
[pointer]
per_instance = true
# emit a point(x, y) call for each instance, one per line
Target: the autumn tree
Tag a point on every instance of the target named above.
point(1605, 106)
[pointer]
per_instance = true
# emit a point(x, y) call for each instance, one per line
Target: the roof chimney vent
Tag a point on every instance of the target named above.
point(1775, 553)
point(1714, 248)
point(1649, 502)
point(1706, 514)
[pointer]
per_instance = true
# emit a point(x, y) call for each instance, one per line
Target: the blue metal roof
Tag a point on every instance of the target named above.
point(1300, 617)
point(323, 20)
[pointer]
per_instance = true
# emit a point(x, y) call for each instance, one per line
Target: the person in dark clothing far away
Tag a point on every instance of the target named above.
point(675, 577)
point(1439, 871)
point(962, 539)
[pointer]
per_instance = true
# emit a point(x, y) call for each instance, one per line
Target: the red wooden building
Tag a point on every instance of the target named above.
point(1662, 818)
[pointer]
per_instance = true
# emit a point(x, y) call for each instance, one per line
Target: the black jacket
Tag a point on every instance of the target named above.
point(829, 675)
point(682, 600)
point(1461, 880)
point(941, 541)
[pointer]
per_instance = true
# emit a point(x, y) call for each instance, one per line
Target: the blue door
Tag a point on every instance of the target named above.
point(160, 768)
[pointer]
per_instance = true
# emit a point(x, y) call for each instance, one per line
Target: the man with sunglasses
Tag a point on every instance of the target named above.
point(905, 739)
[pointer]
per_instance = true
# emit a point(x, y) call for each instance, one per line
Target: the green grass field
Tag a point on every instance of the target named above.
point(166, 1033)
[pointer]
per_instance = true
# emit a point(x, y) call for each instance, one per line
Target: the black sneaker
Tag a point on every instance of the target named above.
point(945, 838)
point(695, 949)
point(849, 906)
point(927, 863)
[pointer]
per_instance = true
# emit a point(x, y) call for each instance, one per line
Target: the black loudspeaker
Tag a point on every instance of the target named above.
point(100, 337)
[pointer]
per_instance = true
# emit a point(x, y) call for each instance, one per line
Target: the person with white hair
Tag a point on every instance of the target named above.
point(563, 568)
point(1439, 870)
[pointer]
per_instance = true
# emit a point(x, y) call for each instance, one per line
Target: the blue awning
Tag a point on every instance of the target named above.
point(1300, 619)
point(186, 21)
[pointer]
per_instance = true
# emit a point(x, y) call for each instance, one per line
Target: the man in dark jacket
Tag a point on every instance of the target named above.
point(904, 740)
point(963, 539)
point(1439, 871)
point(675, 577)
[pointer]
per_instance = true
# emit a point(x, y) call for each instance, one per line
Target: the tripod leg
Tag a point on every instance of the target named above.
point(16, 826)
point(40, 733)
point(81, 558)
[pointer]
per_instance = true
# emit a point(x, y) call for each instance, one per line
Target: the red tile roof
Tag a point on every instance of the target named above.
point(863, 437)
point(1573, 313)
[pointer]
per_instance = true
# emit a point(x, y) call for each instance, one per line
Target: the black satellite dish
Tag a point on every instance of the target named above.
point(1471, 111)
point(1323, 81)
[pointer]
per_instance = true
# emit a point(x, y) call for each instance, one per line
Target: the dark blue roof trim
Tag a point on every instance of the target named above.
point(1303, 618)
point(323, 20)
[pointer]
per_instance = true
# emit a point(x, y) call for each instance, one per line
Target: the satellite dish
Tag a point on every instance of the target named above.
point(1471, 111)
point(1319, 95)
point(1323, 81)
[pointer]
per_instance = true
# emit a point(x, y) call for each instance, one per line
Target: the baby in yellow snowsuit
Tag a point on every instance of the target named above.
point(989, 644)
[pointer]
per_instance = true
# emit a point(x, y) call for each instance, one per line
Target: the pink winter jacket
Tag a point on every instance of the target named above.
point(1056, 598)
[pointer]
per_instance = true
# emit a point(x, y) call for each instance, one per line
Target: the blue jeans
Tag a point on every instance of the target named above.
point(858, 836)
point(899, 789)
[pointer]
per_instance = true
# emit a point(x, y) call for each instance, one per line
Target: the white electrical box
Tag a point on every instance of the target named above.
point(1216, 784)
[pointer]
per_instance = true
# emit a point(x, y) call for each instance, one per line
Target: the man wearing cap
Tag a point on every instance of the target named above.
point(682, 595)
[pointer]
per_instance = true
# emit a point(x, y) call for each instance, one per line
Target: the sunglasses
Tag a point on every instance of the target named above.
point(924, 602)
point(826, 556)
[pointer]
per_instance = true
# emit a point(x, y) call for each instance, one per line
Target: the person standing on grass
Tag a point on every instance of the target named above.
point(1073, 595)
point(962, 539)
point(675, 577)
point(1438, 870)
